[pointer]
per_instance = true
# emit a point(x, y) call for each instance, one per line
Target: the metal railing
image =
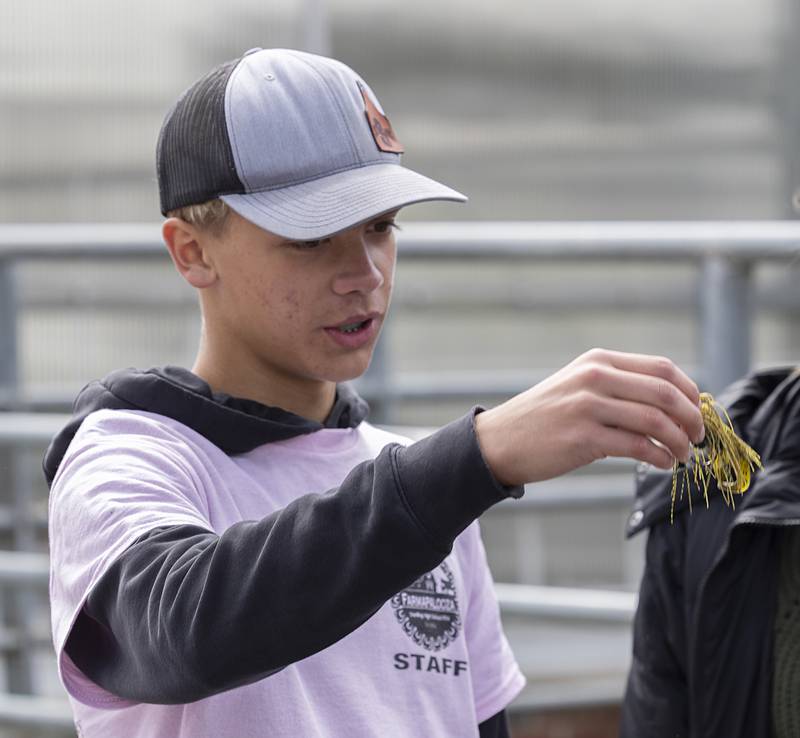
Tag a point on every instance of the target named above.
point(724, 254)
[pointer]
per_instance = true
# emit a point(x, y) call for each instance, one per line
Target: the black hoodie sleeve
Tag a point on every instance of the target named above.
point(184, 613)
point(495, 726)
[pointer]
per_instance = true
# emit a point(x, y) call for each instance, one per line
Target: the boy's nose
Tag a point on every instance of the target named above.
point(358, 270)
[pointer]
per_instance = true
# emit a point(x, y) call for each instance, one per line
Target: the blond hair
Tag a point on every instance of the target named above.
point(210, 215)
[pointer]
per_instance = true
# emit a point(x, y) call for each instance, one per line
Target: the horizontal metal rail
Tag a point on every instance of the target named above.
point(546, 697)
point(566, 603)
point(21, 568)
point(605, 240)
point(725, 251)
point(30, 428)
point(480, 239)
point(51, 714)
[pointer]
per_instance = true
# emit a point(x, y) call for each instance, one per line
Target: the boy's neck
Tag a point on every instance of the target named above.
point(313, 400)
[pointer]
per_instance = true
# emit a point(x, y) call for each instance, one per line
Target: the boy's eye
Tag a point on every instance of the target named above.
point(384, 226)
point(379, 226)
point(306, 245)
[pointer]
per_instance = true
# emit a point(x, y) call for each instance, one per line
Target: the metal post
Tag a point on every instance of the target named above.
point(725, 320)
point(17, 604)
point(22, 603)
point(531, 549)
point(315, 30)
point(8, 333)
point(26, 470)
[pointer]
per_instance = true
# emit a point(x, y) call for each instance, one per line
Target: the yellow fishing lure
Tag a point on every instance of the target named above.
point(722, 455)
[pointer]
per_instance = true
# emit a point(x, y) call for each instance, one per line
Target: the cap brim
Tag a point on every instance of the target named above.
point(331, 204)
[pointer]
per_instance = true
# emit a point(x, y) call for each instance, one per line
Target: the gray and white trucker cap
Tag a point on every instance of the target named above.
point(296, 143)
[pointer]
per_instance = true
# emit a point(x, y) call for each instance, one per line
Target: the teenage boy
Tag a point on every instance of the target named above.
point(235, 550)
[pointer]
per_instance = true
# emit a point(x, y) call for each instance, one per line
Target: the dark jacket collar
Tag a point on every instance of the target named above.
point(765, 410)
point(234, 424)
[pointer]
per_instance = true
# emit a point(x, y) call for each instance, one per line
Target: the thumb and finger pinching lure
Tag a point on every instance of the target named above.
point(722, 456)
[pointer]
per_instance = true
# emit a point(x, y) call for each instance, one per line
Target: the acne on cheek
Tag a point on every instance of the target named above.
point(264, 294)
point(285, 308)
point(291, 298)
point(290, 305)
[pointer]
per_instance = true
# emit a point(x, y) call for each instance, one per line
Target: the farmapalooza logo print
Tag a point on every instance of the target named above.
point(428, 609)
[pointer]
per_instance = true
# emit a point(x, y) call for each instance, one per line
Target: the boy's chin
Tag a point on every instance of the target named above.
point(348, 371)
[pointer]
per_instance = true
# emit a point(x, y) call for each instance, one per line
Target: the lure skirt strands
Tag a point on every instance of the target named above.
point(722, 456)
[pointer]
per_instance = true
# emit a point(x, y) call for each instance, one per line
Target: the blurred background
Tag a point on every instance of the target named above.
point(632, 169)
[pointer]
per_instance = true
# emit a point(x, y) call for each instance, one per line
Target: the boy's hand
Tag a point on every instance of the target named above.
point(604, 403)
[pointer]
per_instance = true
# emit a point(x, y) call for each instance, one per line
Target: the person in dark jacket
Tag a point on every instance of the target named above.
point(716, 644)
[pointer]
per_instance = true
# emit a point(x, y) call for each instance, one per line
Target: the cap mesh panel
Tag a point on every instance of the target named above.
point(194, 157)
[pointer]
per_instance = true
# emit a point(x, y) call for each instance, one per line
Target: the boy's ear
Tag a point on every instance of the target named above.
point(188, 247)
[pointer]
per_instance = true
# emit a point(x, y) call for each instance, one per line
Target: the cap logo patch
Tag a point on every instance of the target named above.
point(379, 124)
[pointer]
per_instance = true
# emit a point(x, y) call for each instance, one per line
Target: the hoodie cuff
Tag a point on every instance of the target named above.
point(447, 482)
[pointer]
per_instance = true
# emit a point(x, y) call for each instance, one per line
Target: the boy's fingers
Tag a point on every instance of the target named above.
point(622, 443)
point(646, 389)
point(659, 367)
point(647, 421)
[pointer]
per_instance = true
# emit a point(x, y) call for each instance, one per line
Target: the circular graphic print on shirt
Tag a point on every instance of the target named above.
point(428, 609)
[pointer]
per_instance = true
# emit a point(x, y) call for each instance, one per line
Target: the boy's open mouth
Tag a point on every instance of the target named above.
point(354, 332)
point(354, 327)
